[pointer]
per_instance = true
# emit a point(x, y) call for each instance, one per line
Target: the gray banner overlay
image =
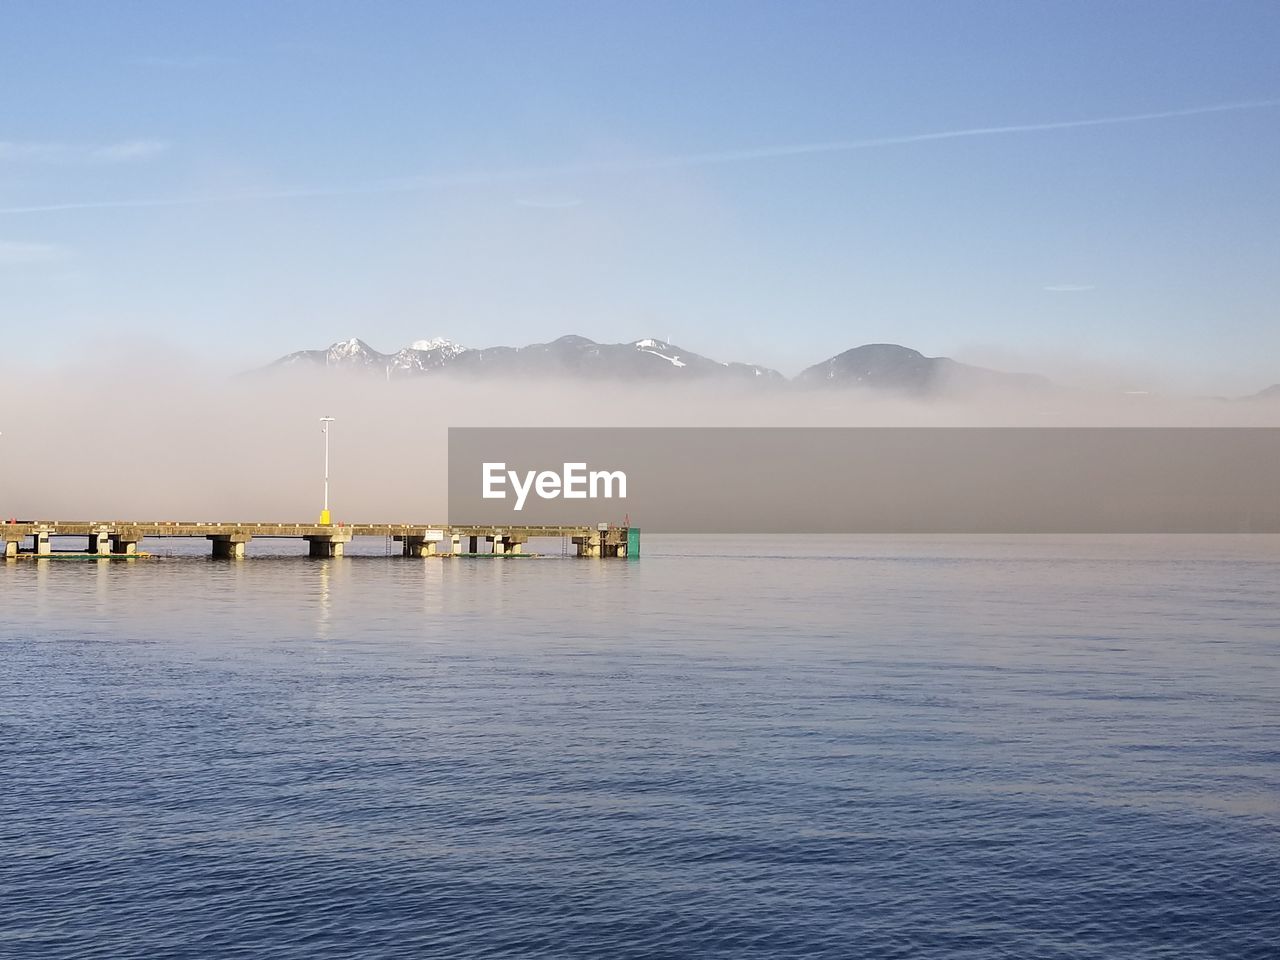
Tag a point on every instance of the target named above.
point(908, 480)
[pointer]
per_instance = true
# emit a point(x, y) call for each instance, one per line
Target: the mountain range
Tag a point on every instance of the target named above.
point(878, 366)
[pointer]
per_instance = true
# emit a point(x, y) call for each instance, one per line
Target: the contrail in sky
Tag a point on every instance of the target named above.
point(422, 183)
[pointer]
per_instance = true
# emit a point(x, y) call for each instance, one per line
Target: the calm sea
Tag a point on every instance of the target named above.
point(733, 747)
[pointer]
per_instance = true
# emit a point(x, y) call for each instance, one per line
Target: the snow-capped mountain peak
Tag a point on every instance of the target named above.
point(659, 348)
point(345, 351)
point(354, 345)
point(443, 344)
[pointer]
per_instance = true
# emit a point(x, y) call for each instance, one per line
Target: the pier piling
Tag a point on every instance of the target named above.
point(230, 546)
point(329, 545)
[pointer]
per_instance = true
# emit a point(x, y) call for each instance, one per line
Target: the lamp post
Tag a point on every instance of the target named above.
point(324, 428)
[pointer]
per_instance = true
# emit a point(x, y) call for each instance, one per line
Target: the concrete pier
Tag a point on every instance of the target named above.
point(417, 547)
point(509, 543)
point(588, 546)
point(100, 541)
point(323, 547)
point(426, 544)
point(121, 538)
point(124, 545)
point(604, 544)
point(229, 546)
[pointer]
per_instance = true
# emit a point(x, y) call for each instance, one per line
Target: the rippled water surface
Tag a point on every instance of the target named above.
point(1030, 748)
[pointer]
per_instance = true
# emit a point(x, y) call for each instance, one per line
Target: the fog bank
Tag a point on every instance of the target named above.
point(153, 443)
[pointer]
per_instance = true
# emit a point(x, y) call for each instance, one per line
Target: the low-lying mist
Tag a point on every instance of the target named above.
point(122, 441)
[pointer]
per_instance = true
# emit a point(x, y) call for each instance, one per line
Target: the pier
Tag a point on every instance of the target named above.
point(121, 538)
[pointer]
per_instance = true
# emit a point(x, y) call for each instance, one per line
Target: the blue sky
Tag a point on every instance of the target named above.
point(757, 181)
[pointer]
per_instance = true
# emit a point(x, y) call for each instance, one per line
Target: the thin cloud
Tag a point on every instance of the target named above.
point(130, 150)
point(19, 150)
point(1069, 287)
point(125, 151)
point(18, 253)
point(418, 184)
point(845, 146)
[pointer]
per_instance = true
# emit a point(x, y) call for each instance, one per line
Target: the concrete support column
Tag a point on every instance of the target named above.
point(100, 542)
point(508, 545)
point(613, 542)
point(419, 547)
point(123, 545)
point(230, 547)
point(43, 547)
point(323, 547)
point(588, 546)
point(10, 548)
point(455, 544)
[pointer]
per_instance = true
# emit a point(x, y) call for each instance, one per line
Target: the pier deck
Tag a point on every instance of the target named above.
point(228, 539)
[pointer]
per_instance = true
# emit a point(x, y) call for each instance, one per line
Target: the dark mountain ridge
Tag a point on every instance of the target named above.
point(888, 366)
